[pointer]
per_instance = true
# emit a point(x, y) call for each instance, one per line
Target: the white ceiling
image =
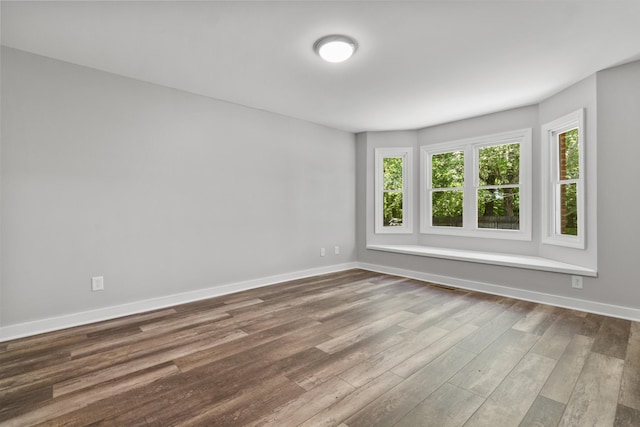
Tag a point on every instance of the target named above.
point(419, 63)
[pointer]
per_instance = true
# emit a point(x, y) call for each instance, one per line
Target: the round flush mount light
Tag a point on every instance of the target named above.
point(335, 48)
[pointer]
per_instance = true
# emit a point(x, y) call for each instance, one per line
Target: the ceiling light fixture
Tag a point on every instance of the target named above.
point(335, 48)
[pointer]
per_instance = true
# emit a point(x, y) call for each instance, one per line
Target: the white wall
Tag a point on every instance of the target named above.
point(612, 102)
point(160, 191)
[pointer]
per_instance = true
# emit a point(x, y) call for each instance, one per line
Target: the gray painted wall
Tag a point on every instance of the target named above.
point(581, 95)
point(104, 175)
point(618, 174)
point(160, 191)
point(519, 118)
point(612, 100)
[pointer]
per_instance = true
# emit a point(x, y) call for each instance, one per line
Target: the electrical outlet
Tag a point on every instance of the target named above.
point(322, 252)
point(336, 250)
point(576, 282)
point(97, 283)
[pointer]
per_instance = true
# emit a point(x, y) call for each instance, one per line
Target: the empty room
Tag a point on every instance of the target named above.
point(319, 213)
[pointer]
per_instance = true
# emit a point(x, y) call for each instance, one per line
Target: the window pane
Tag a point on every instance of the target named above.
point(446, 208)
point(499, 164)
point(447, 170)
point(568, 155)
point(392, 209)
point(392, 170)
point(568, 210)
point(499, 208)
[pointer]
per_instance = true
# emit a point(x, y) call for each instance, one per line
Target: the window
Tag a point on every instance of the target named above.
point(393, 192)
point(478, 187)
point(563, 181)
point(447, 181)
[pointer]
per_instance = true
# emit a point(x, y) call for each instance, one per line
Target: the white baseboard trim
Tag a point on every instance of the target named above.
point(107, 313)
point(621, 312)
point(82, 318)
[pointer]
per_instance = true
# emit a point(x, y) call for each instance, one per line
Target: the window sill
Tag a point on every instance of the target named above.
point(507, 260)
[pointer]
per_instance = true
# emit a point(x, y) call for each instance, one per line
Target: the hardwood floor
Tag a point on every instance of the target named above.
point(348, 349)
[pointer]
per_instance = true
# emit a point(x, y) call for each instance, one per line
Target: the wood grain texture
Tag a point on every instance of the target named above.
point(595, 397)
point(348, 406)
point(626, 417)
point(490, 367)
point(449, 406)
point(564, 376)
point(543, 412)
point(630, 388)
point(347, 349)
point(400, 400)
point(510, 402)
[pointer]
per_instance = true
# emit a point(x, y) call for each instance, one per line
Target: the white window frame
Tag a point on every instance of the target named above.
point(406, 153)
point(470, 147)
point(550, 180)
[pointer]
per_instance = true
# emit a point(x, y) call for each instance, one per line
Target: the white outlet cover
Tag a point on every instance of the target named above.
point(97, 283)
point(576, 282)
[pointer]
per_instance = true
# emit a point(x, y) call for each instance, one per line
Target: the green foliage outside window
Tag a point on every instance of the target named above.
point(571, 155)
point(447, 171)
point(499, 165)
point(392, 187)
point(572, 170)
point(498, 206)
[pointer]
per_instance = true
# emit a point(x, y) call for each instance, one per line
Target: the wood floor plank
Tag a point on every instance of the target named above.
point(344, 340)
point(538, 320)
point(353, 402)
point(563, 379)
point(480, 306)
point(16, 404)
point(494, 310)
point(384, 361)
point(345, 305)
point(487, 371)
point(207, 355)
point(336, 363)
point(612, 338)
point(449, 406)
point(305, 406)
point(392, 406)
point(595, 397)
point(431, 352)
point(437, 314)
point(179, 323)
point(375, 311)
point(138, 339)
point(544, 412)
point(63, 406)
point(180, 395)
point(488, 333)
point(350, 348)
point(630, 387)
point(510, 402)
point(432, 297)
point(557, 337)
point(224, 382)
point(243, 407)
point(626, 417)
point(47, 340)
